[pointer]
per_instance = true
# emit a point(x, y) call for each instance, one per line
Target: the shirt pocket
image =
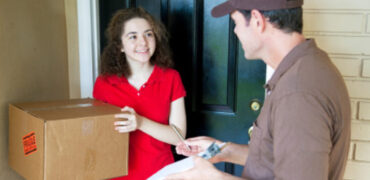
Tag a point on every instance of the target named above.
point(255, 142)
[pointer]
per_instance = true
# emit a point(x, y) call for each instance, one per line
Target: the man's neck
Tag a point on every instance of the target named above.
point(279, 46)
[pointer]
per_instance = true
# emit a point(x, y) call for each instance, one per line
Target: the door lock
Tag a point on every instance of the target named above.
point(255, 105)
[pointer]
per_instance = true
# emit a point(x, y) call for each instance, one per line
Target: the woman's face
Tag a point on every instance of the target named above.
point(138, 40)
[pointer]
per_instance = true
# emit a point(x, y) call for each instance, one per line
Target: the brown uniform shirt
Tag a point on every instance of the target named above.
point(303, 130)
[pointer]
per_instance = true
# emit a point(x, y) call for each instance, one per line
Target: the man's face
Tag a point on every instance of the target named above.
point(246, 34)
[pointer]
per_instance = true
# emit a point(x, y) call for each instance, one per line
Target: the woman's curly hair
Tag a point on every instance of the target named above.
point(113, 61)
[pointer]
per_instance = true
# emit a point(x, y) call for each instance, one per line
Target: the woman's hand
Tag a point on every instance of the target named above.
point(128, 121)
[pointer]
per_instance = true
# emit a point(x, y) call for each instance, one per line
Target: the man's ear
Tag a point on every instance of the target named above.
point(258, 20)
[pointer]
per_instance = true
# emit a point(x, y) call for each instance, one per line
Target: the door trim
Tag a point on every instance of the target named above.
point(89, 47)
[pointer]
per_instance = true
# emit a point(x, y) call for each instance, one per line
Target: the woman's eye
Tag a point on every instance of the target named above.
point(149, 34)
point(132, 37)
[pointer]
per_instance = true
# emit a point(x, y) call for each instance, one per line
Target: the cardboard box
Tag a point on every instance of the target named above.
point(72, 139)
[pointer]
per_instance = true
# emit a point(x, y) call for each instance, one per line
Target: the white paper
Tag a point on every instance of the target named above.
point(178, 166)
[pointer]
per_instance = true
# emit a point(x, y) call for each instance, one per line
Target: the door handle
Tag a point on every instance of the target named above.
point(255, 105)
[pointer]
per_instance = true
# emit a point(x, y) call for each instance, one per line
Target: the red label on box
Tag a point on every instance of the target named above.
point(29, 143)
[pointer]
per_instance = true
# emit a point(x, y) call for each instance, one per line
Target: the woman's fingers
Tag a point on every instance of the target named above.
point(125, 126)
point(128, 109)
point(124, 129)
point(122, 123)
point(128, 123)
point(124, 116)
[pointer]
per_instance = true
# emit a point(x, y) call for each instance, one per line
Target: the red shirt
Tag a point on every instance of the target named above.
point(153, 100)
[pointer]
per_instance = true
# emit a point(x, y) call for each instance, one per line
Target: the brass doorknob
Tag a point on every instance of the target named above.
point(255, 105)
point(250, 130)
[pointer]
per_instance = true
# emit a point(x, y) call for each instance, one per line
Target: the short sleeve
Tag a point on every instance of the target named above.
point(98, 91)
point(302, 137)
point(178, 89)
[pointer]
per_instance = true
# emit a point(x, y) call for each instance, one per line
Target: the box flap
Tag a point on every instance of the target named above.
point(68, 109)
point(31, 106)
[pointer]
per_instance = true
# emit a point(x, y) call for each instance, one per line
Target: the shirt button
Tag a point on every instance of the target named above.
point(138, 94)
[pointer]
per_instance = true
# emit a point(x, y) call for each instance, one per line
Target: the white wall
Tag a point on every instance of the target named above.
point(33, 60)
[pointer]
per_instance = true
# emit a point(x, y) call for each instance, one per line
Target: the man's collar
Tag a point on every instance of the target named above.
point(287, 62)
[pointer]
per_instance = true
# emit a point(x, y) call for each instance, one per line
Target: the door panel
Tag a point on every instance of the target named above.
point(106, 12)
point(152, 6)
point(220, 83)
point(214, 57)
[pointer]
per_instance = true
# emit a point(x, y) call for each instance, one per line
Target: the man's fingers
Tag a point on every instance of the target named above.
point(177, 176)
point(181, 149)
point(197, 159)
point(197, 146)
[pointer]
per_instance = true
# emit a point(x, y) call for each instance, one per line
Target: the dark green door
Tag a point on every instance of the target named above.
point(221, 85)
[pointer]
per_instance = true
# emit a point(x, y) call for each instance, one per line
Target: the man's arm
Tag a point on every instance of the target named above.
point(302, 137)
point(234, 153)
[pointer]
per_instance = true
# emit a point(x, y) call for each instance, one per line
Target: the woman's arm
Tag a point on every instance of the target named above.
point(158, 131)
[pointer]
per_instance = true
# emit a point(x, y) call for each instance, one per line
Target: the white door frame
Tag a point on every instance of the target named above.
point(89, 46)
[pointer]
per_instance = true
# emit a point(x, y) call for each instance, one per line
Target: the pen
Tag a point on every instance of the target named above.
point(179, 136)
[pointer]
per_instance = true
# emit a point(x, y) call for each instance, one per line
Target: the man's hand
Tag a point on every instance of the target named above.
point(197, 145)
point(202, 170)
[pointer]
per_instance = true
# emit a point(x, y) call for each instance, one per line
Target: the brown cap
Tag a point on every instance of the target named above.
point(263, 5)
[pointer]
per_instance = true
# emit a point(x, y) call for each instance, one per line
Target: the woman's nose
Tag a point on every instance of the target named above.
point(142, 40)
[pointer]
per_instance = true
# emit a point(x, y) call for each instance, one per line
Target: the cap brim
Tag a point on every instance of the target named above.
point(222, 9)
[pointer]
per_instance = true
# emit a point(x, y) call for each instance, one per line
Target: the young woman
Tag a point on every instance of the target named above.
point(136, 76)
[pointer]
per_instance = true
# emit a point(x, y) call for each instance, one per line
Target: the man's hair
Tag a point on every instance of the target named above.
point(287, 20)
